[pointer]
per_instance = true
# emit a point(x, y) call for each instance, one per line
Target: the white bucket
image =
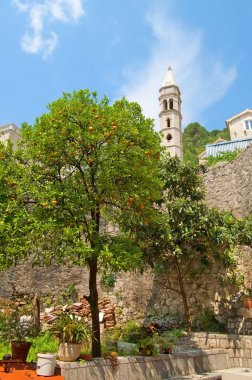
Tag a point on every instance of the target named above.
point(46, 364)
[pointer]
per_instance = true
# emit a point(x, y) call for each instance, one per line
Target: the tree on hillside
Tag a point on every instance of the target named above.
point(195, 137)
point(187, 237)
point(88, 165)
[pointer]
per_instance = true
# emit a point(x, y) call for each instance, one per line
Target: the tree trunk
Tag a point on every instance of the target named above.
point(187, 313)
point(93, 301)
point(36, 312)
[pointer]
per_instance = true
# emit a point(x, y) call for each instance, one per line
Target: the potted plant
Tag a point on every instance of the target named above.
point(166, 340)
point(247, 299)
point(72, 332)
point(147, 347)
point(130, 334)
point(16, 329)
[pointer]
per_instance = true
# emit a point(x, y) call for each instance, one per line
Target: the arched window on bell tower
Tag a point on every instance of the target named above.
point(168, 122)
point(165, 105)
point(171, 104)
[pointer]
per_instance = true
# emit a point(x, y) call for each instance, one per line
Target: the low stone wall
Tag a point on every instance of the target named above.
point(147, 368)
point(237, 347)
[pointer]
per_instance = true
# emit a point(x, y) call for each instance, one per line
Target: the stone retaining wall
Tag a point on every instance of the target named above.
point(238, 347)
point(147, 368)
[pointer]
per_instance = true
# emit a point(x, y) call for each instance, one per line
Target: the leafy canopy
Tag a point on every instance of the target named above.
point(89, 163)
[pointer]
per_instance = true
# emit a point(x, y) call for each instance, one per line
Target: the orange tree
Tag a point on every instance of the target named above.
point(186, 238)
point(14, 215)
point(89, 168)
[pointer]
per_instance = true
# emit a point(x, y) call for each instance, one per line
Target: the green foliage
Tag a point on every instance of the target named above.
point(84, 164)
point(168, 338)
point(132, 332)
point(44, 343)
point(14, 225)
point(70, 329)
point(206, 321)
point(245, 231)
point(195, 137)
point(108, 279)
point(147, 347)
point(12, 328)
point(68, 294)
point(187, 237)
point(247, 292)
point(222, 156)
point(4, 349)
point(113, 334)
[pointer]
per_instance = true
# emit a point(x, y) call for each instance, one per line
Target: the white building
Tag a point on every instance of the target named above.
point(240, 129)
point(240, 126)
point(9, 132)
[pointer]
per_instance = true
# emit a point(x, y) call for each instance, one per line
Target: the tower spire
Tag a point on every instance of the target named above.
point(169, 79)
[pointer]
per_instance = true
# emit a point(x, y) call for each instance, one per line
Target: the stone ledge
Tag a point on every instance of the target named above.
point(184, 365)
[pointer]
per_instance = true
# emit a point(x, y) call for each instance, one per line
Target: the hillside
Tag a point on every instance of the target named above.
point(195, 137)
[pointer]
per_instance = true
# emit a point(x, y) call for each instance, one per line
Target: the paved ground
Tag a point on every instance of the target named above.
point(203, 376)
point(25, 372)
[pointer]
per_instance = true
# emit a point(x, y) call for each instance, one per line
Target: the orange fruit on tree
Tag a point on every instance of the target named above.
point(130, 201)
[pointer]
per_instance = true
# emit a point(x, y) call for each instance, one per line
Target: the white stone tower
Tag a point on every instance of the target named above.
point(170, 115)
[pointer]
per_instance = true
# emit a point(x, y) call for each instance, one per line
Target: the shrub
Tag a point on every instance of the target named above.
point(206, 321)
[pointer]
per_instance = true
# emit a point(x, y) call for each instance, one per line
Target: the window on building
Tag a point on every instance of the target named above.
point(169, 137)
point(168, 122)
point(165, 105)
point(171, 104)
point(248, 125)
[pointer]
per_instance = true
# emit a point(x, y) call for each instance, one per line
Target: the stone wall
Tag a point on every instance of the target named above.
point(238, 348)
point(228, 185)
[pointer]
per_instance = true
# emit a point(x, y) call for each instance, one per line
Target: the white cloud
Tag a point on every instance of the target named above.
point(203, 78)
point(40, 13)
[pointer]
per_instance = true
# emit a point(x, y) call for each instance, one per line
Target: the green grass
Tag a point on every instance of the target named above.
point(4, 349)
point(43, 343)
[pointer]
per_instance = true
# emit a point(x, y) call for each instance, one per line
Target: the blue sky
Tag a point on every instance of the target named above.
point(124, 48)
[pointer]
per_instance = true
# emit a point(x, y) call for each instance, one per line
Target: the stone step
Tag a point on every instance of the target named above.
point(201, 376)
point(237, 374)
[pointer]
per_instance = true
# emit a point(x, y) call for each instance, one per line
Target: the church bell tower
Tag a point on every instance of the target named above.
point(170, 115)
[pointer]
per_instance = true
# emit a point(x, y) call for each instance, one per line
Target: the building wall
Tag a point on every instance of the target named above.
point(237, 126)
point(9, 132)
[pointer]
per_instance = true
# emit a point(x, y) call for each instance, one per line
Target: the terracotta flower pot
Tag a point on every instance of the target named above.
point(20, 350)
point(86, 357)
point(247, 302)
